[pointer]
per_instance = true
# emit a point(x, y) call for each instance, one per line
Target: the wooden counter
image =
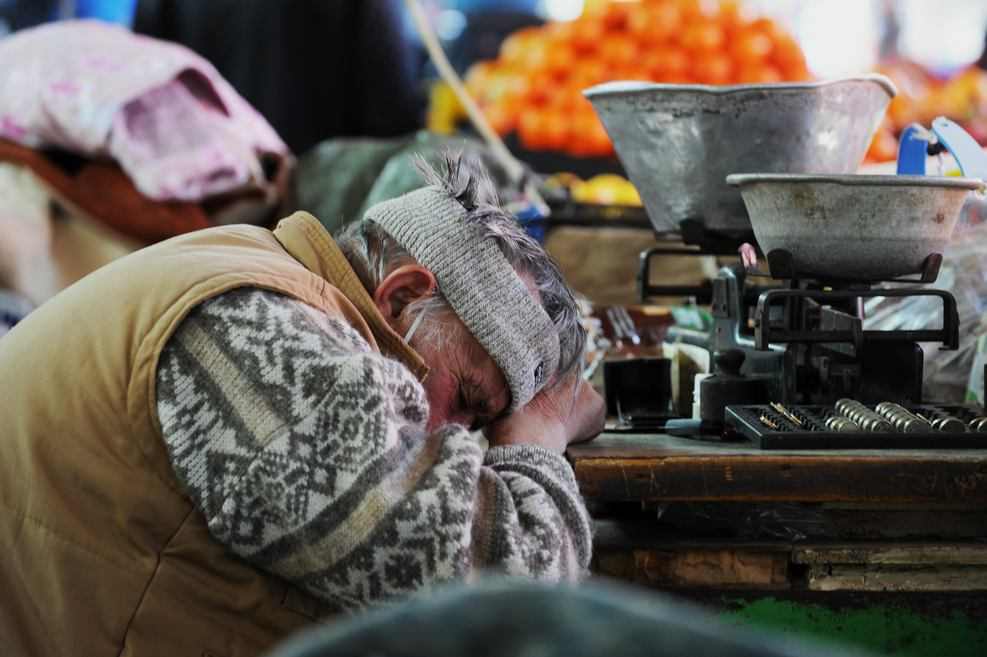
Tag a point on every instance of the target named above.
point(883, 550)
point(658, 467)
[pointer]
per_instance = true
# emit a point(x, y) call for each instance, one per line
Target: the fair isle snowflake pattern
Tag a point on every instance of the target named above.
point(306, 452)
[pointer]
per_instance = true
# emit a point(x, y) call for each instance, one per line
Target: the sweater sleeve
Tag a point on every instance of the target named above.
point(305, 451)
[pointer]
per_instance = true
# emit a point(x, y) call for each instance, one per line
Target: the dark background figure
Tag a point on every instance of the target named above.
point(483, 34)
point(487, 24)
point(314, 68)
point(503, 619)
point(18, 14)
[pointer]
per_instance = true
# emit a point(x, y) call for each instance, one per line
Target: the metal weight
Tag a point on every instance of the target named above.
point(841, 424)
point(901, 419)
point(867, 419)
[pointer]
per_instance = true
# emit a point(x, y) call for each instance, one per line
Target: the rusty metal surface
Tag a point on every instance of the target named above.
point(678, 143)
point(854, 226)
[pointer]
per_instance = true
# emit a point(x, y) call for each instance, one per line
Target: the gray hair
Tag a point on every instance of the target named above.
point(373, 253)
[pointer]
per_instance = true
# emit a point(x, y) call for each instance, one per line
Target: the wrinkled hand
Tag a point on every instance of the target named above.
point(570, 412)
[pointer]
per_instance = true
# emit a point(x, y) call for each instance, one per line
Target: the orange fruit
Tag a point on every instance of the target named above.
point(588, 137)
point(767, 26)
point(712, 68)
point(516, 87)
point(559, 32)
point(531, 128)
point(479, 71)
point(541, 87)
point(578, 139)
point(639, 23)
point(586, 33)
point(536, 56)
point(617, 15)
point(652, 25)
point(703, 36)
point(595, 8)
point(496, 85)
point(555, 130)
point(668, 19)
point(477, 79)
point(589, 71)
point(568, 96)
point(690, 10)
point(510, 109)
point(499, 118)
point(515, 48)
point(765, 73)
point(637, 72)
point(560, 59)
point(746, 74)
point(617, 50)
point(787, 54)
point(884, 146)
point(750, 47)
point(729, 15)
point(598, 141)
point(651, 61)
point(672, 65)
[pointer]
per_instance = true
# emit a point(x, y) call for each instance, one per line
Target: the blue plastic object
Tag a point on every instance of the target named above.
point(533, 223)
point(917, 143)
point(913, 148)
point(110, 11)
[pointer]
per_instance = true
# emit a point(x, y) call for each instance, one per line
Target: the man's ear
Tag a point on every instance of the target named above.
point(404, 285)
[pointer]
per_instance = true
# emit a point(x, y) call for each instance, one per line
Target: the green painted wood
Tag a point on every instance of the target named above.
point(904, 626)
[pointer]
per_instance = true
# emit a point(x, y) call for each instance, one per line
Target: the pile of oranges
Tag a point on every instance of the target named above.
point(534, 87)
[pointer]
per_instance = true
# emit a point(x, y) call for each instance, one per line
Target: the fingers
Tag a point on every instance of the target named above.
point(571, 411)
point(590, 413)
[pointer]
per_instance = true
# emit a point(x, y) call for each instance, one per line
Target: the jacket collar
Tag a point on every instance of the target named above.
point(309, 243)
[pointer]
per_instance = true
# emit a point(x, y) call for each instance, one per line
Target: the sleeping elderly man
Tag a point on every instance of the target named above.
point(223, 437)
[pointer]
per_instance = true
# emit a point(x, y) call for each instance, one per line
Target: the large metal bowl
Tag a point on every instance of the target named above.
point(678, 143)
point(853, 227)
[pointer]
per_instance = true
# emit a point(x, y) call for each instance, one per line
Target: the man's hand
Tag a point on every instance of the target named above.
point(568, 413)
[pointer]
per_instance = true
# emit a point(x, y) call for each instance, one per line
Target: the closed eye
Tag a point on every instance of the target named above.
point(472, 400)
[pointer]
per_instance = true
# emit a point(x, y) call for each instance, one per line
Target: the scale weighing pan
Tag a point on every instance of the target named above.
point(865, 228)
point(678, 142)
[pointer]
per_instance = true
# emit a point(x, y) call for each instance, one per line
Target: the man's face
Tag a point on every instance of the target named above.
point(464, 385)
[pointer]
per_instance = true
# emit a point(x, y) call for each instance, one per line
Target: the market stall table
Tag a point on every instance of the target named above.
point(880, 548)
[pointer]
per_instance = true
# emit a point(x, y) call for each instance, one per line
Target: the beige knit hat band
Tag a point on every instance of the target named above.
point(481, 286)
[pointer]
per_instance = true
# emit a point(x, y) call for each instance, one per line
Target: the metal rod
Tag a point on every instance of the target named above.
point(513, 167)
point(788, 414)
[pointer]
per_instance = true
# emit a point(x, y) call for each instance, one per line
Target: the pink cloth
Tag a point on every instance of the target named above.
point(176, 127)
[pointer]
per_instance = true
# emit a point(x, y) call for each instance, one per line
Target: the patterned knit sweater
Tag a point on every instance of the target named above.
point(306, 453)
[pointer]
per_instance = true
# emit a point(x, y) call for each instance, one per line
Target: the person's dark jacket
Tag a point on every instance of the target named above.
point(314, 68)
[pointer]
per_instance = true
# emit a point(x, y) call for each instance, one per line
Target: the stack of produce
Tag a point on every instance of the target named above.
point(922, 97)
point(601, 189)
point(534, 87)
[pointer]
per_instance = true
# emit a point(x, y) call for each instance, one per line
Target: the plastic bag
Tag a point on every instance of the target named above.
point(949, 376)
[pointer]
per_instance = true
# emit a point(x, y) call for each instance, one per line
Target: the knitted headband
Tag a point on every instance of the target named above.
point(481, 286)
